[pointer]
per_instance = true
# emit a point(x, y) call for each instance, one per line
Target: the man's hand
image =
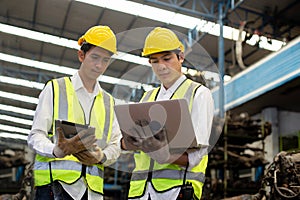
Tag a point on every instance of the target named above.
point(154, 142)
point(131, 142)
point(157, 147)
point(90, 157)
point(84, 140)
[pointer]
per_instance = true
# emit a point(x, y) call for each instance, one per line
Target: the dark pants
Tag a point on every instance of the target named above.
point(56, 192)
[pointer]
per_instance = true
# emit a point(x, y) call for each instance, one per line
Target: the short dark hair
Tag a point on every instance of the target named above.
point(85, 47)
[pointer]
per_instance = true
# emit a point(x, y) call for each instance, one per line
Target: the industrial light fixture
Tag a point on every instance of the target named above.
point(16, 130)
point(269, 41)
point(12, 135)
point(43, 37)
point(19, 97)
point(21, 82)
point(227, 78)
point(177, 19)
point(63, 70)
point(16, 120)
point(17, 110)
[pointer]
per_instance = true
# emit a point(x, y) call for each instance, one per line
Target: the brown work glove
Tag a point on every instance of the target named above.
point(91, 156)
point(85, 139)
point(154, 142)
point(131, 142)
point(157, 147)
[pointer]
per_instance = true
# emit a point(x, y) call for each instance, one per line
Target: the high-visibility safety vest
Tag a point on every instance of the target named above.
point(66, 106)
point(165, 177)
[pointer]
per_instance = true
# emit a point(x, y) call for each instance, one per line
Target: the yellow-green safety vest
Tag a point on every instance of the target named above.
point(66, 106)
point(165, 177)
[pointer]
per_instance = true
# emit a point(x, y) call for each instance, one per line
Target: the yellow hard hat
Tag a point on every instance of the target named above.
point(101, 36)
point(160, 40)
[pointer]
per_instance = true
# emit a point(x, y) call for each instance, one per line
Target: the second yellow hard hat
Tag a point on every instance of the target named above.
point(160, 40)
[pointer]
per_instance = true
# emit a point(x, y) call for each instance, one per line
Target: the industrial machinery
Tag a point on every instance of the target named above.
point(235, 166)
point(282, 177)
point(281, 180)
point(15, 174)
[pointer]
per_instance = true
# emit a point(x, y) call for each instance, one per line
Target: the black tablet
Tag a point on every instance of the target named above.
point(71, 129)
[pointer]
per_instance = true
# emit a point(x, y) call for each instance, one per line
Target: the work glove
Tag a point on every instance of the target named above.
point(90, 156)
point(131, 142)
point(154, 142)
point(84, 140)
point(157, 147)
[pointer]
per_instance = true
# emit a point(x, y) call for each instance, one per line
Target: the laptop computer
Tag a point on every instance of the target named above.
point(173, 115)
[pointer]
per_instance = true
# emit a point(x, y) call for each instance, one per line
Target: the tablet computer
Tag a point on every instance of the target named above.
point(173, 115)
point(71, 129)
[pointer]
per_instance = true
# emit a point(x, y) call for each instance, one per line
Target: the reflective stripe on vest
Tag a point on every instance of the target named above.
point(170, 174)
point(167, 176)
point(66, 106)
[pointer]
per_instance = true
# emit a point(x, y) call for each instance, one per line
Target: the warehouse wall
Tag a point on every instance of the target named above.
point(284, 123)
point(289, 122)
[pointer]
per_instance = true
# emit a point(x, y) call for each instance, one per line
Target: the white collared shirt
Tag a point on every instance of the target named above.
point(202, 115)
point(38, 137)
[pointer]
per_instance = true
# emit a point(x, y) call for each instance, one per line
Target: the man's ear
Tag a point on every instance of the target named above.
point(181, 57)
point(81, 55)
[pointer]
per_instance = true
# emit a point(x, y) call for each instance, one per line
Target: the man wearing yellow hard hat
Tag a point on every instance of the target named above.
point(72, 168)
point(159, 174)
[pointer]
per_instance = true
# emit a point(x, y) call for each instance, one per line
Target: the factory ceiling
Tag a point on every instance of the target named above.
point(272, 22)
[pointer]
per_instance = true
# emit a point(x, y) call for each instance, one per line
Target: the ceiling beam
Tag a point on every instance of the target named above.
point(208, 14)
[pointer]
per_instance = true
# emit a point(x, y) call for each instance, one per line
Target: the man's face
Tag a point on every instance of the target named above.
point(94, 62)
point(167, 67)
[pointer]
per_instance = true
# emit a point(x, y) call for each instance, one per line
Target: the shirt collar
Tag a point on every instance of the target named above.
point(173, 88)
point(78, 85)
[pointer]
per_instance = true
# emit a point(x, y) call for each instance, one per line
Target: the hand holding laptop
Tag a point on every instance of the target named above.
point(153, 139)
point(131, 142)
point(156, 146)
point(138, 132)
